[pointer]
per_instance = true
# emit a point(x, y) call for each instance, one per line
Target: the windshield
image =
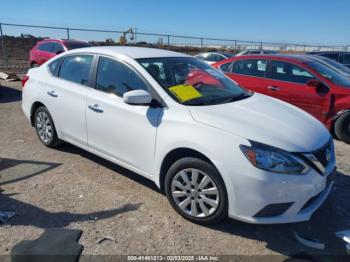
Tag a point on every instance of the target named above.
point(190, 81)
point(330, 74)
point(335, 64)
point(75, 45)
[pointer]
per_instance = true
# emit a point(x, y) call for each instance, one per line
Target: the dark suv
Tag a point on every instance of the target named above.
point(48, 48)
point(342, 57)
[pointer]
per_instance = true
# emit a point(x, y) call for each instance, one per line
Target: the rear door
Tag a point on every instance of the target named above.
point(249, 74)
point(287, 82)
point(65, 96)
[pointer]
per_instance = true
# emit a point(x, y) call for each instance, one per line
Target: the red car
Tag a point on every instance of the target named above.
point(48, 48)
point(299, 80)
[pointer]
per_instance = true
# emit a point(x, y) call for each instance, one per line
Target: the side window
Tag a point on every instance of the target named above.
point(346, 59)
point(333, 56)
point(117, 78)
point(227, 68)
point(288, 72)
point(209, 57)
point(217, 58)
point(76, 69)
point(251, 67)
point(54, 66)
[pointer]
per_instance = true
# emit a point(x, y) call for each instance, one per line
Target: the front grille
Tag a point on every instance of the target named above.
point(321, 155)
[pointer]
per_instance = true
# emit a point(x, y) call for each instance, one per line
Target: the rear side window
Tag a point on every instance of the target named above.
point(76, 69)
point(54, 66)
point(252, 67)
point(117, 78)
point(289, 72)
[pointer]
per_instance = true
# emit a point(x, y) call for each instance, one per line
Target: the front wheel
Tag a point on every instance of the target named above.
point(196, 190)
point(45, 127)
point(342, 127)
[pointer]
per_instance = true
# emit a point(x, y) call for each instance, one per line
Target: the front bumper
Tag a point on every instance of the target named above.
point(302, 195)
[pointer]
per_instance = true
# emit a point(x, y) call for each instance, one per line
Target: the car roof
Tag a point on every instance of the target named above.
point(286, 57)
point(133, 52)
point(327, 52)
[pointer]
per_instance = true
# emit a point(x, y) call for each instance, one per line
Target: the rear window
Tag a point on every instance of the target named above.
point(75, 45)
point(47, 47)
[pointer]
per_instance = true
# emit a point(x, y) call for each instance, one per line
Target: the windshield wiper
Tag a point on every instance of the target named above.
point(240, 97)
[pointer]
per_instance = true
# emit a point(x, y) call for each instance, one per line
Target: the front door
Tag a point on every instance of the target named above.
point(126, 133)
point(287, 82)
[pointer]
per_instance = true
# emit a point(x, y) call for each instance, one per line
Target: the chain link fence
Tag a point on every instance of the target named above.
point(14, 50)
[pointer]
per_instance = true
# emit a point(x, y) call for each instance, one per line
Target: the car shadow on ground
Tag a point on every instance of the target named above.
point(8, 94)
point(13, 170)
point(71, 149)
point(30, 215)
point(333, 216)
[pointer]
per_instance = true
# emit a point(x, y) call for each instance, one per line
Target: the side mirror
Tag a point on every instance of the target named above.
point(137, 97)
point(314, 83)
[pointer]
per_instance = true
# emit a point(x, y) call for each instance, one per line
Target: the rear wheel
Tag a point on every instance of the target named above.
point(342, 127)
point(45, 128)
point(196, 190)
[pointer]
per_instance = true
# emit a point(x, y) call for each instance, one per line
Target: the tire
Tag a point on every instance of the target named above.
point(45, 128)
point(342, 127)
point(188, 167)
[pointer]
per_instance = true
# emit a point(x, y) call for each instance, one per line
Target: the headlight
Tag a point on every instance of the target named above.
point(273, 159)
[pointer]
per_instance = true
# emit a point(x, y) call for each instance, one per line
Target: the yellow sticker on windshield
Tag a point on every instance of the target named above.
point(185, 92)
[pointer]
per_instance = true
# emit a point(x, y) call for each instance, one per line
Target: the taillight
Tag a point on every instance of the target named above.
point(24, 80)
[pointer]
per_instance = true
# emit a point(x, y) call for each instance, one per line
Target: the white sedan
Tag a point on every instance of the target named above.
point(213, 147)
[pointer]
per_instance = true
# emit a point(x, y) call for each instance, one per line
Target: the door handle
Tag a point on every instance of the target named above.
point(52, 93)
point(95, 108)
point(273, 88)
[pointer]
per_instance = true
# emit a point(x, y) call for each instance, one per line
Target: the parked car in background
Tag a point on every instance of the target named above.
point(48, 48)
point(215, 148)
point(256, 52)
point(214, 57)
point(340, 68)
point(299, 80)
point(342, 57)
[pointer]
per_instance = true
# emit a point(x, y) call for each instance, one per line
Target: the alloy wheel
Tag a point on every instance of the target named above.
point(44, 126)
point(195, 193)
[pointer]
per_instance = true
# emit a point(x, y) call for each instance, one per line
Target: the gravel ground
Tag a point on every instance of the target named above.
point(71, 188)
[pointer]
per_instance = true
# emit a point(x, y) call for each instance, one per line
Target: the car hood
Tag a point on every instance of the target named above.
point(265, 120)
